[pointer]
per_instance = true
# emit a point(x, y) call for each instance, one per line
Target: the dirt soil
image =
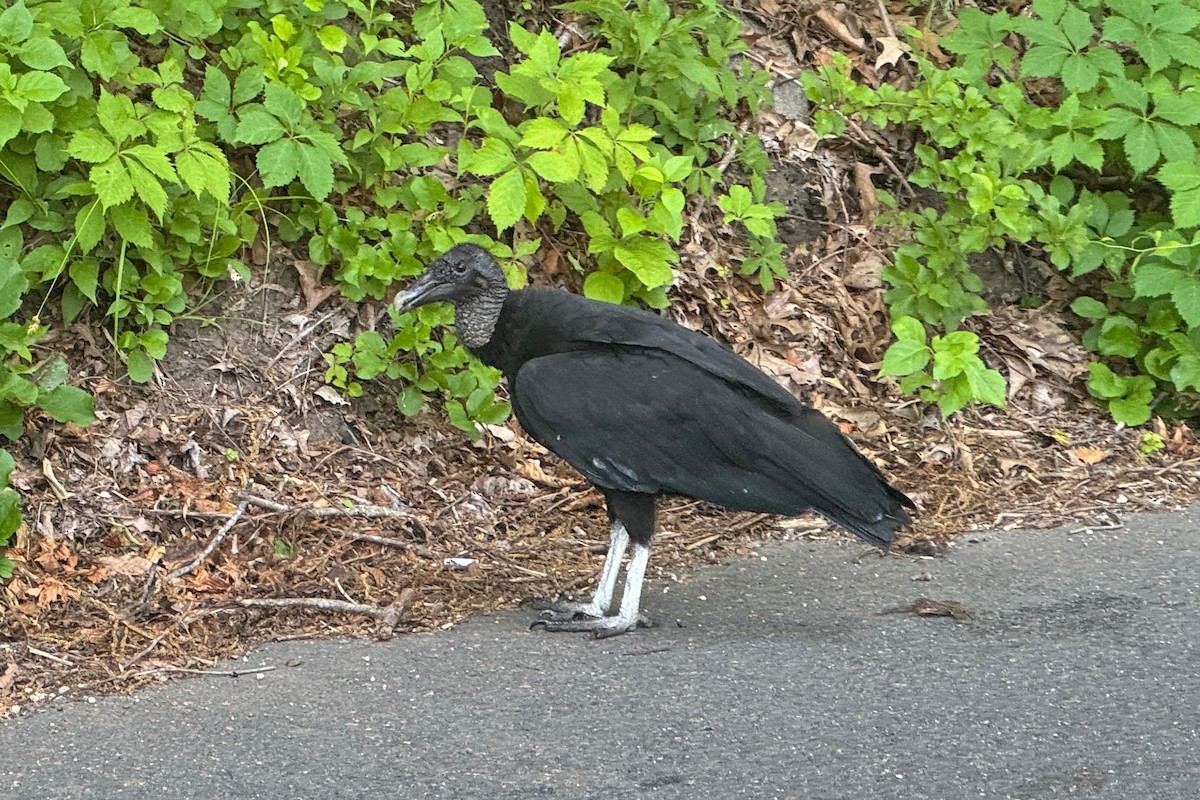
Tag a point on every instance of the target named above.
point(238, 500)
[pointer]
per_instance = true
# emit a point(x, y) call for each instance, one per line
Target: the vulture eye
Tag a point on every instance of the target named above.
point(459, 268)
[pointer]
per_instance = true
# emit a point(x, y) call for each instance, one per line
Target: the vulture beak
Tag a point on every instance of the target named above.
point(426, 289)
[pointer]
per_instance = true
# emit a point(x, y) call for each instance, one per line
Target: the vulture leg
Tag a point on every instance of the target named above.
point(629, 616)
point(562, 612)
point(632, 514)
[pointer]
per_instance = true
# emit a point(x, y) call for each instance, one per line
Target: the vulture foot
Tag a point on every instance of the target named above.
point(599, 627)
point(565, 612)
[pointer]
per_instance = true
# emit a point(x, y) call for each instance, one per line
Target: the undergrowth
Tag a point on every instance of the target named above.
point(1074, 131)
point(144, 146)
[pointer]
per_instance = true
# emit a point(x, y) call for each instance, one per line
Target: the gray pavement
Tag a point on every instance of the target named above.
point(1077, 676)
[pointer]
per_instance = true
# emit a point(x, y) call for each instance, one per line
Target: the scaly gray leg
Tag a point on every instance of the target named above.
point(628, 618)
point(618, 540)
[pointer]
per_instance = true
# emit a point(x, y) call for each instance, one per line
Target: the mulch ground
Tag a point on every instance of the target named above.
point(237, 500)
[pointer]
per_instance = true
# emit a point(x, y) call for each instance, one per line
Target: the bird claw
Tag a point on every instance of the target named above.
point(566, 612)
point(599, 627)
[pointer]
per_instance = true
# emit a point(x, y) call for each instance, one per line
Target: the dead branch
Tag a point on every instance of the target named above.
point(212, 545)
point(361, 512)
point(388, 615)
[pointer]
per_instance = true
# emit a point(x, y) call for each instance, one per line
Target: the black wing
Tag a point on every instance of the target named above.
point(638, 419)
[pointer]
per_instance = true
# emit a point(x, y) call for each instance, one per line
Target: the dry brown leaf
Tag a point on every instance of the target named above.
point(50, 590)
point(865, 273)
point(10, 675)
point(1089, 455)
point(534, 472)
point(128, 564)
point(310, 283)
point(893, 51)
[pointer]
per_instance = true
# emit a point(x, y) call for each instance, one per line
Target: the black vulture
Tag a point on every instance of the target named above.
point(644, 407)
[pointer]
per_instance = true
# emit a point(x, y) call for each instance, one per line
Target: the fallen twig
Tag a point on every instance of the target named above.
point(221, 673)
point(388, 615)
point(361, 512)
point(51, 656)
point(212, 545)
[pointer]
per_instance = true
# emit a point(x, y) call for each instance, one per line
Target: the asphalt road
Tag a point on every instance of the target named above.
point(1077, 675)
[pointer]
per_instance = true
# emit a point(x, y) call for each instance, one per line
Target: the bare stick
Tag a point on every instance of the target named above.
point(213, 543)
point(223, 673)
point(887, 19)
point(50, 656)
point(389, 615)
point(362, 512)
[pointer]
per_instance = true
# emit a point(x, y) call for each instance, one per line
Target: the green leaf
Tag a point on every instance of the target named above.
point(132, 224)
point(257, 126)
point(112, 182)
point(905, 356)
point(491, 158)
point(1077, 25)
point(1130, 412)
point(91, 145)
point(216, 96)
point(1183, 179)
point(11, 419)
point(542, 133)
point(148, 189)
point(139, 365)
point(154, 341)
point(154, 159)
point(506, 199)
point(909, 328)
point(1187, 300)
point(68, 404)
point(89, 227)
point(7, 465)
point(278, 162)
point(115, 114)
point(193, 168)
point(1089, 308)
point(987, 386)
point(315, 171)
point(552, 166)
point(13, 284)
point(1181, 109)
point(1042, 61)
point(85, 274)
point(605, 287)
point(648, 258)
point(283, 103)
point(1141, 147)
point(1104, 383)
point(410, 401)
point(16, 23)
point(53, 374)
point(1154, 279)
point(248, 84)
point(106, 52)
point(333, 38)
point(40, 87)
point(141, 20)
point(1119, 336)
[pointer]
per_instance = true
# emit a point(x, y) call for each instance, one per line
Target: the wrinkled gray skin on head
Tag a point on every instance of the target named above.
point(469, 278)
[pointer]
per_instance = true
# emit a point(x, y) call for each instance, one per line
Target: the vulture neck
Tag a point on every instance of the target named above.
point(475, 317)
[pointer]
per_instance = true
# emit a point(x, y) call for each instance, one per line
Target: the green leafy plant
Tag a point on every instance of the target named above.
point(947, 369)
point(1015, 160)
point(144, 146)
